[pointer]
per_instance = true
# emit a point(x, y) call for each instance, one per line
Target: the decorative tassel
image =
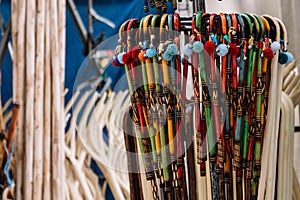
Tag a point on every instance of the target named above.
point(151, 52)
point(222, 50)
point(142, 56)
point(198, 47)
point(290, 57)
point(120, 58)
point(115, 62)
point(283, 58)
point(268, 53)
point(233, 50)
point(127, 58)
point(172, 49)
point(135, 52)
point(209, 47)
point(167, 56)
point(275, 46)
point(187, 50)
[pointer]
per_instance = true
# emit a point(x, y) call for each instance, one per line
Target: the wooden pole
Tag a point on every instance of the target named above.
point(39, 102)
point(19, 93)
point(47, 111)
point(57, 109)
point(62, 55)
point(29, 96)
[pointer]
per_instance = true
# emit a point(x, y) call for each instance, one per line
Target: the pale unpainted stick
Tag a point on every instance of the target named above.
point(7, 193)
point(29, 97)
point(296, 186)
point(116, 189)
point(289, 67)
point(62, 49)
point(6, 105)
point(39, 102)
point(291, 147)
point(7, 117)
point(296, 97)
point(288, 80)
point(57, 109)
point(47, 109)
point(79, 175)
point(19, 91)
point(293, 83)
point(281, 162)
point(14, 32)
point(71, 102)
point(295, 93)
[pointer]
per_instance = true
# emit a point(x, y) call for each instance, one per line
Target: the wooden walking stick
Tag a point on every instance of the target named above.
point(133, 167)
point(178, 111)
point(208, 59)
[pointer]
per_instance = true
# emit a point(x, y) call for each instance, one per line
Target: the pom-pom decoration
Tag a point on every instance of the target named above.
point(135, 52)
point(120, 58)
point(115, 62)
point(233, 50)
point(290, 57)
point(222, 50)
point(187, 50)
point(142, 56)
point(282, 58)
point(150, 53)
point(209, 47)
point(268, 53)
point(275, 46)
point(198, 47)
point(127, 58)
point(172, 49)
point(167, 56)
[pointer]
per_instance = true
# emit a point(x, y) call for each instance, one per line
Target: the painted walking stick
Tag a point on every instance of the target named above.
point(209, 61)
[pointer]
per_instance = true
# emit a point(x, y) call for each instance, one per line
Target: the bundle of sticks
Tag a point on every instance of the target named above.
point(235, 63)
point(38, 37)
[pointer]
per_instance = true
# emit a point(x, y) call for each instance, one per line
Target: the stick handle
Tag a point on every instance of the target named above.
point(13, 125)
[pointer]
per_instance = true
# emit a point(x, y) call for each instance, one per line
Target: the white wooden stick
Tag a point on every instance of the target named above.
point(29, 96)
point(19, 79)
point(288, 80)
point(57, 109)
point(14, 30)
point(47, 110)
point(62, 53)
point(6, 105)
point(289, 67)
point(39, 102)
